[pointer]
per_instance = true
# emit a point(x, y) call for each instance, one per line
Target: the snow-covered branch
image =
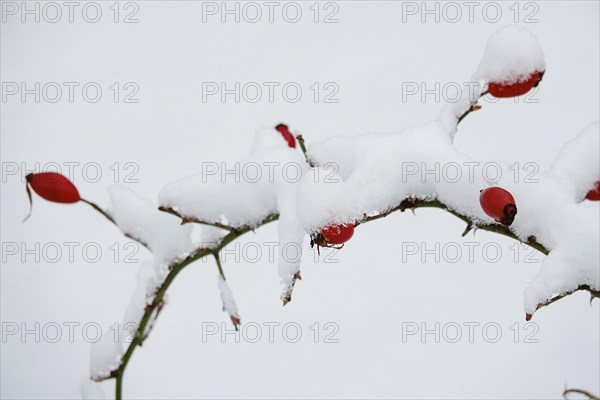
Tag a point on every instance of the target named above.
point(327, 189)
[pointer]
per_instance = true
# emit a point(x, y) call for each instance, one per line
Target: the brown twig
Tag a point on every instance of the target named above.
point(176, 267)
point(185, 219)
point(414, 203)
point(579, 391)
point(593, 293)
point(474, 107)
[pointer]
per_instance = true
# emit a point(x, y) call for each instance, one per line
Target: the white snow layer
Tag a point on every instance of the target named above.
point(512, 54)
point(244, 193)
point(139, 218)
point(229, 304)
point(105, 354)
point(91, 390)
point(370, 174)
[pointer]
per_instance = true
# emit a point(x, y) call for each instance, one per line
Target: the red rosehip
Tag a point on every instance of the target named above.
point(594, 194)
point(498, 204)
point(338, 234)
point(52, 187)
point(515, 89)
point(287, 135)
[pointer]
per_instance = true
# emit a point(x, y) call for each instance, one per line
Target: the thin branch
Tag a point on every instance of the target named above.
point(287, 297)
point(580, 391)
point(587, 288)
point(174, 270)
point(100, 210)
point(219, 266)
point(300, 140)
point(414, 203)
point(235, 318)
point(185, 220)
point(178, 266)
point(112, 220)
point(474, 107)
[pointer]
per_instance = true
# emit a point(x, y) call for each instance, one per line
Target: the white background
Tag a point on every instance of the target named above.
point(370, 292)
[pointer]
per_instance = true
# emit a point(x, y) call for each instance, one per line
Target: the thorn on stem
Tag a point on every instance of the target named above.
point(467, 230)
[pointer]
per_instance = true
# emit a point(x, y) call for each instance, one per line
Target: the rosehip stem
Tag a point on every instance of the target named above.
point(219, 266)
point(300, 140)
point(30, 199)
point(474, 107)
point(100, 210)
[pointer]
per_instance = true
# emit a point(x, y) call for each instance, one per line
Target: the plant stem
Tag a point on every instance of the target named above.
point(185, 220)
point(219, 266)
point(473, 107)
point(300, 140)
point(101, 211)
point(177, 267)
point(580, 391)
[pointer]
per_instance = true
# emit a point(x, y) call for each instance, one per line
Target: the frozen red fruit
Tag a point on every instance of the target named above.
point(498, 204)
point(503, 90)
point(287, 135)
point(338, 234)
point(594, 194)
point(52, 187)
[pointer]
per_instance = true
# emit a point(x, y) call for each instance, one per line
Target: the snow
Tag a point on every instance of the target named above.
point(242, 193)
point(229, 304)
point(139, 218)
point(387, 168)
point(511, 55)
point(105, 354)
point(576, 168)
point(367, 175)
point(146, 283)
point(372, 173)
point(91, 390)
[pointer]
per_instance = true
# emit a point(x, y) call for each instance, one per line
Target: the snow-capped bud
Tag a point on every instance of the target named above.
point(517, 88)
point(287, 135)
point(594, 194)
point(498, 204)
point(51, 186)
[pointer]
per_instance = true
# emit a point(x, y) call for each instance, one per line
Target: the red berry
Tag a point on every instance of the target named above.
point(515, 89)
point(594, 194)
point(287, 135)
point(498, 204)
point(53, 187)
point(338, 234)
